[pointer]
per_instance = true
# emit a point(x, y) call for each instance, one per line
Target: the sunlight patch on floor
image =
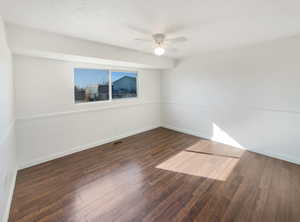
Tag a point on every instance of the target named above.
point(200, 164)
point(215, 148)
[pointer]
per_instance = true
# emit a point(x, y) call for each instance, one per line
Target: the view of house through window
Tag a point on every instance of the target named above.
point(93, 85)
point(124, 84)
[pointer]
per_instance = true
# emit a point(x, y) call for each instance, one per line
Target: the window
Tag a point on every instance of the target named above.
point(123, 84)
point(92, 85)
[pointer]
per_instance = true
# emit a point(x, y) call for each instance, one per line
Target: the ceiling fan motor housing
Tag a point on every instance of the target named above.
point(159, 38)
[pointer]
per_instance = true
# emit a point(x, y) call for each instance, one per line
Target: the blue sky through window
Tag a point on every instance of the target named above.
point(85, 77)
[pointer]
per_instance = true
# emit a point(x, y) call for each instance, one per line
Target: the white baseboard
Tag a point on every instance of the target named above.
point(10, 197)
point(277, 156)
point(202, 135)
point(187, 131)
point(84, 147)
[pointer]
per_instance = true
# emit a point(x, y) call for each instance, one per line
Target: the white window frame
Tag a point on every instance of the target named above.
point(110, 70)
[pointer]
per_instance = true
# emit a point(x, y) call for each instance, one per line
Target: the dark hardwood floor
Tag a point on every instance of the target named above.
point(159, 175)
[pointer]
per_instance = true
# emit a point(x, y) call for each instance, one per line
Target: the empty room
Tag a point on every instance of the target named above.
point(149, 111)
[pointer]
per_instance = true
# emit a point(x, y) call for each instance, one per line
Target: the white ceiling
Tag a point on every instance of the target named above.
point(207, 24)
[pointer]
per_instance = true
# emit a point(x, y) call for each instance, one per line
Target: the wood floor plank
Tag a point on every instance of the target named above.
point(159, 175)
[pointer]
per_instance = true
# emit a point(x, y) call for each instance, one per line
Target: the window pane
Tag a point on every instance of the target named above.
point(124, 84)
point(91, 85)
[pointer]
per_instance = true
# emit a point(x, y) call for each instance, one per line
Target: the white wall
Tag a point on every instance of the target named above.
point(7, 135)
point(247, 97)
point(50, 124)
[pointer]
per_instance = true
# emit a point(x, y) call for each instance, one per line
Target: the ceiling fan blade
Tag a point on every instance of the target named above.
point(144, 40)
point(178, 39)
point(139, 30)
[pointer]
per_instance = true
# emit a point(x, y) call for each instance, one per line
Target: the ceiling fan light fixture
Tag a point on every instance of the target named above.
point(159, 51)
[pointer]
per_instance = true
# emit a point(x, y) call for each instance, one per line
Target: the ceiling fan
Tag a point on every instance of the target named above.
point(160, 41)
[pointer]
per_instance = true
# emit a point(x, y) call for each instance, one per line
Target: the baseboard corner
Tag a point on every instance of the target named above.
point(10, 197)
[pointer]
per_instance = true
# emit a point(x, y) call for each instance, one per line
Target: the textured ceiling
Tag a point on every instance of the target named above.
point(207, 24)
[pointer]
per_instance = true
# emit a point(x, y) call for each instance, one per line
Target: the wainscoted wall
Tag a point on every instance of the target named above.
point(50, 125)
point(247, 97)
point(8, 165)
point(8, 170)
